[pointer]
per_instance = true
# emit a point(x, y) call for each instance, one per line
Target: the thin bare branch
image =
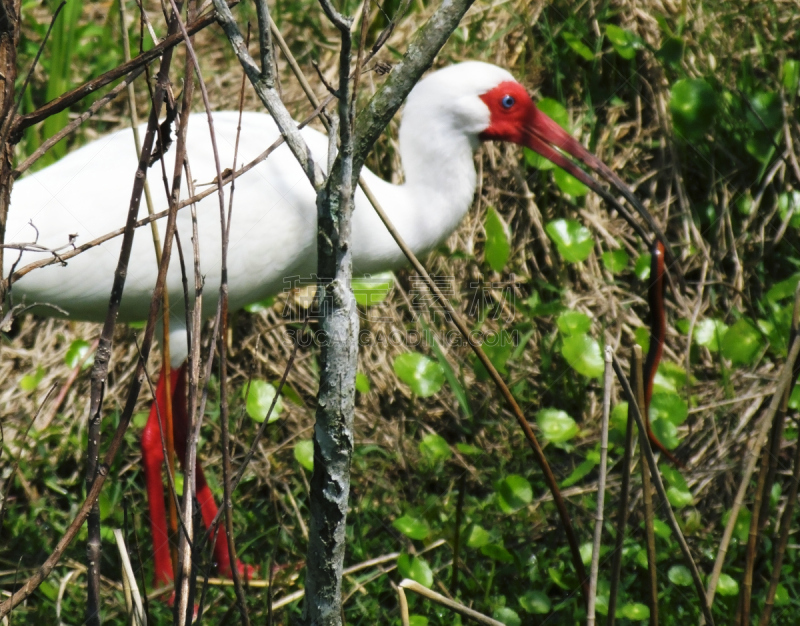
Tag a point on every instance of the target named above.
point(601, 489)
point(662, 492)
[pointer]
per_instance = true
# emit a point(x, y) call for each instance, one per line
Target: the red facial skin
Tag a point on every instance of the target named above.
point(522, 123)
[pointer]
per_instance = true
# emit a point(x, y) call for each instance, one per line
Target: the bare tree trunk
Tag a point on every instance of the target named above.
point(333, 432)
point(9, 38)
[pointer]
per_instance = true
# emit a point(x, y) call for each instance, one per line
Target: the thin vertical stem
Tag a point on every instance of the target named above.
point(637, 377)
point(622, 518)
point(462, 488)
point(601, 489)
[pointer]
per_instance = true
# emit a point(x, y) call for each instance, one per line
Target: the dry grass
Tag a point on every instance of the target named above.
point(633, 135)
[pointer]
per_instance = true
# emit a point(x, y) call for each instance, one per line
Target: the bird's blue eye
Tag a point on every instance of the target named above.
point(507, 102)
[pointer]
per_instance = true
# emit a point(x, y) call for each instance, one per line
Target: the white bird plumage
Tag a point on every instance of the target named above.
point(273, 230)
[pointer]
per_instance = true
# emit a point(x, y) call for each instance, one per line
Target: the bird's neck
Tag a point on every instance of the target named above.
point(439, 173)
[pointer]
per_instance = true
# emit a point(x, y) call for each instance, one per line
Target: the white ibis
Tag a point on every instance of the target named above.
point(273, 233)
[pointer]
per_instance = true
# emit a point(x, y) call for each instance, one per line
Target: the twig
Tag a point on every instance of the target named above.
point(751, 459)
point(136, 609)
point(270, 97)
point(637, 380)
point(462, 488)
point(73, 375)
point(454, 606)
point(622, 519)
point(766, 476)
point(74, 124)
point(786, 518)
point(71, 97)
point(785, 529)
point(228, 504)
point(673, 523)
point(538, 454)
point(9, 120)
point(601, 490)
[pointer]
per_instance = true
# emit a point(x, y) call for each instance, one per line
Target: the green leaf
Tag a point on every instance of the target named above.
point(693, 105)
point(670, 377)
point(573, 323)
point(498, 238)
point(615, 260)
point(789, 202)
point(580, 48)
point(362, 383)
point(584, 355)
point(417, 620)
point(450, 376)
point(741, 529)
point(669, 406)
point(666, 432)
point(709, 333)
point(106, 504)
point(261, 305)
point(568, 183)
point(580, 472)
point(535, 602)
point(514, 492)
point(412, 527)
point(259, 399)
point(781, 595)
point(435, 448)
point(423, 375)
point(624, 41)
point(642, 267)
point(673, 476)
point(507, 616)
point(586, 553)
point(140, 419)
point(555, 111)
point(790, 75)
point(742, 343)
point(304, 453)
point(498, 347)
point(415, 568)
point(574, 241)
point(785, 288)
point(370, 290)
point(76, 351)
point(727, 586)
point(557, 576)
point(619, 417)
point(764, 111)
point(679, 498)
point(29, 382)
point(556, 425)
point(497, 552)
point(661, 530)
point(635, 611)
point(179, 483)
point(478, 537)
point(466, 448)
point(642, 337)
point(680, 575)
point(671, 51)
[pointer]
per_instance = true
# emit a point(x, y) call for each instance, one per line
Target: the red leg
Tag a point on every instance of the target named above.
point(153, 460)
point(205, 498)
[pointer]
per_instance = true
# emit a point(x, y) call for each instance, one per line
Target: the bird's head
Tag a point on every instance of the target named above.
point(481, 102)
